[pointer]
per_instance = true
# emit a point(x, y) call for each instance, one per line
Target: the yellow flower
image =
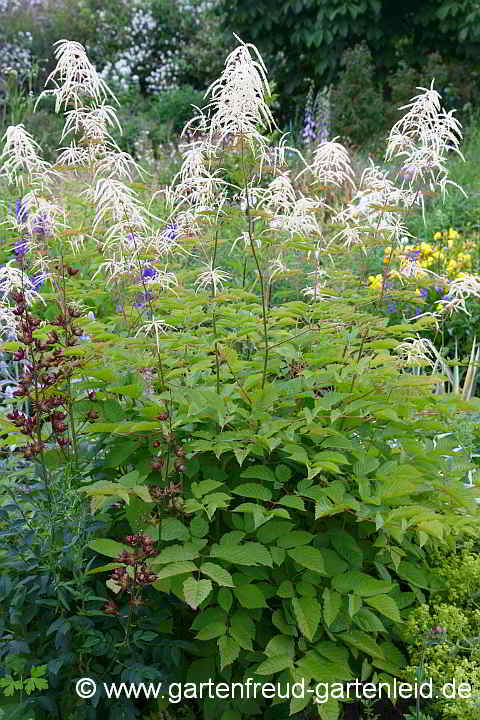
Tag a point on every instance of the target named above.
point(450, 244)
point(451, 267)
point(417, 292)
point(437, 236)
point(375, 281)
point(426, 248)
point(453, 234)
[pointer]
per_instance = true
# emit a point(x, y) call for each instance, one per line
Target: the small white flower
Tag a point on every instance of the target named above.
point(212, 277)
point(158, 327)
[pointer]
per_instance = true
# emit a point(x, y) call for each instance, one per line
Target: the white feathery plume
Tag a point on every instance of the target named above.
point(237, 106)
point(116, 266)
point(211, 277)
point(290, 214)
point(45, 218)
point(373, 209)
point(301, 219)
point(245, 238)
point(119, 164)
point(417, 351)
point(460, 290)
point(158, 327)
point(195, 184)
point(164, 242)
point(331, 164)
point(20, 155)
point(275, 157)
point(12, 278)
point(8, 321)
point(164, 279)
point(75, 78)
point(277, 267)
point(424, 136)
point(118, 206)
point(73, 156)
point(92, 121)
point(280, 194)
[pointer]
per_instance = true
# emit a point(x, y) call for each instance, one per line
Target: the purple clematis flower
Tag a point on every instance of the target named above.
point(142, 299)
point(38, 281)
point(21, 211)
point(21, 248)
point(149, 273)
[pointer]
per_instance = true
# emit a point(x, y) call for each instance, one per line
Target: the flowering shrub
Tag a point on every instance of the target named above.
point(271, 465)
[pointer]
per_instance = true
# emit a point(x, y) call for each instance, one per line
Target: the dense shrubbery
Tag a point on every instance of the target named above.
point(268, 458)
point(444, 634)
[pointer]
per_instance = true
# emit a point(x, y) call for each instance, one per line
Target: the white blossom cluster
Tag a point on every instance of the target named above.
point(16, 55)
point(141, 52)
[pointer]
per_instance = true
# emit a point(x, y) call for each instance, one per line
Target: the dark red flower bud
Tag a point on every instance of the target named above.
point(158, 463)
point(111, 608)
point(163, 415)
point(180, 467)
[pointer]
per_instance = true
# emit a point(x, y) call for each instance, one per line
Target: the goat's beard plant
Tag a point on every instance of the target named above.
point(280, 463)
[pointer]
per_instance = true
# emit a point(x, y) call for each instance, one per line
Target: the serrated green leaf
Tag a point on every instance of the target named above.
point(229, 651)
point(332, 602)
point(253, 490)
point(173, 529)
point(217, 574)
point(250, 596)
point(259, 472)
point(211, 631)
point(196, 591)
point(307, 613)
point(178, 568)
point(110, 548)
point(385, 605)
point(274, 664)
point(363, 642)
point(250, 553)
point(308, 557)
point(361, 584)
